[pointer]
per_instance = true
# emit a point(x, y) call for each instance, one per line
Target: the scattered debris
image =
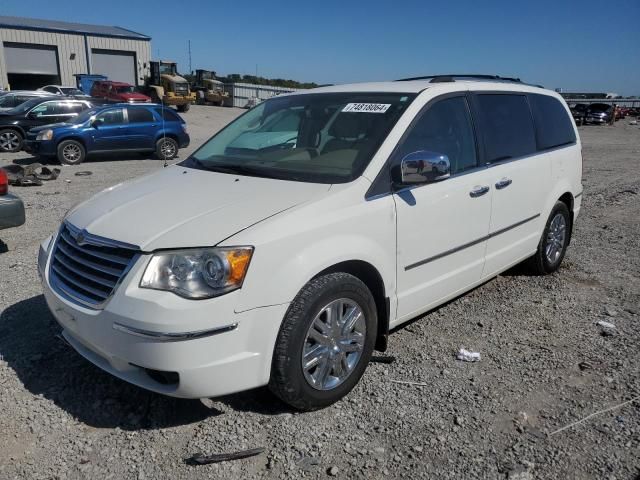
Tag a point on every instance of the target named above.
point(467, 356)
point(599, 412)
point(406, 382)
point(607, 329)
point(332, 471)
point(633, 122)
point(202, 459)
point(30, 175)
point(84, 173)
point(382, 359)
point(585, 366)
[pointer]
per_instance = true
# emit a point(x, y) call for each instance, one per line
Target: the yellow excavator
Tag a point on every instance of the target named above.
point(165, 85)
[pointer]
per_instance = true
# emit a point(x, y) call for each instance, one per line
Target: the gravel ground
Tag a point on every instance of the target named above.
point(545, 364)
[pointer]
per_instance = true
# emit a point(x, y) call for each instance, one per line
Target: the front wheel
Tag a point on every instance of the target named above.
point(10, 140)
point(184, 108)
point(71, 152)
point(553, 244)
point(325, 342)
point(166, 148)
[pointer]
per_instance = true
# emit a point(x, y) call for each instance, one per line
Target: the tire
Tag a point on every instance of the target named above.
point(10, 140)
point(343, 294)
point(71, 152)
point(554, 241)
point(166, 148)
point(184, 108)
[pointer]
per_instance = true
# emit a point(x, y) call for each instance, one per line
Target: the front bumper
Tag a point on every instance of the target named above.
point(141, 332)
point(11, 211)
point(39, 147)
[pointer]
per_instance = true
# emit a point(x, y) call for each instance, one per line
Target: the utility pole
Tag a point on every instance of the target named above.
point(190, 69)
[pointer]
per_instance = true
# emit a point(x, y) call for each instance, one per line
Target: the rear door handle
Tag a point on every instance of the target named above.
point(478, 191)
point(503, 183)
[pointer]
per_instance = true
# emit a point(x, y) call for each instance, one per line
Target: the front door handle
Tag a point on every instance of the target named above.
point(503, 183)
point(478, 191)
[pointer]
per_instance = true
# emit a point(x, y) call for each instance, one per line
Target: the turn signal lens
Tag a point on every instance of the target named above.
point(4, 182)
point(238, 263)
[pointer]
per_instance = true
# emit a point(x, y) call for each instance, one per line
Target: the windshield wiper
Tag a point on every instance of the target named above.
point(248, 170)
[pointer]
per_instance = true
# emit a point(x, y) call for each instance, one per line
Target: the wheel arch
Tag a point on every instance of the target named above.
point(371, 277)
point(568, 199)
point(77, 138)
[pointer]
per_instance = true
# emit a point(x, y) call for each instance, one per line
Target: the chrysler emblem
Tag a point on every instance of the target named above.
point(80, 240)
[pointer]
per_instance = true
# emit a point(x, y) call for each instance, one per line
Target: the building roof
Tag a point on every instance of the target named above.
point(23, 23)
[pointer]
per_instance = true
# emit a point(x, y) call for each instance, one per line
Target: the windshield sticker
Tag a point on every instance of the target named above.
point(366, 107)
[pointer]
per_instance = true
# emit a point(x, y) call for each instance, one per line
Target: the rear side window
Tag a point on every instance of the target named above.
point(139, 115)
point(168, 115)
point(506, 126)
point(553, 125)
point(111, 117)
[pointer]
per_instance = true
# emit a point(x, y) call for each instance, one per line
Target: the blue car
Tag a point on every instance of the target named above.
point(111, 128)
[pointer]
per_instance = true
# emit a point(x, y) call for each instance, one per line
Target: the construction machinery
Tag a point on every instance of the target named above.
point(165, 85)
point(210, 90)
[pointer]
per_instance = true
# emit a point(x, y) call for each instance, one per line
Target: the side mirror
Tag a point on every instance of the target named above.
point(96, 123)
point(424, 167)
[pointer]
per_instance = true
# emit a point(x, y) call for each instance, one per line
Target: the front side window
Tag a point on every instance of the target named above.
point(139, 115)
point(507, 127)
point(50, 90)
point(553, 124)
point(323, 138)
point(46, 109)
point(111, 117)
point(444, 128)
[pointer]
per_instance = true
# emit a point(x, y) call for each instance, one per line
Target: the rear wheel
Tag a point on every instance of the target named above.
point(166, 148)
point(554, 241)
point(184, 108)
point(10, 140)
point(71, 152)
point(325, 342)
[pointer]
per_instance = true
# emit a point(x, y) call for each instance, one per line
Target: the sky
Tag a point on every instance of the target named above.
point(582, 45)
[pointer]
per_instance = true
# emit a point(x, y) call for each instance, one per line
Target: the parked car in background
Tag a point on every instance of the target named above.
point(599, 113)
point(11, 207)
point(16, 122)
point(112, 128)
point(12, 99)
point(117, 92)
point(62, 90)
point(579, 112)
point(286, 264)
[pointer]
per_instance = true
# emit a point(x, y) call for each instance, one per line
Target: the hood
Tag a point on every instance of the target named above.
point(180, 207)
point(133, 96)
point(50, 126)
point(173, 78)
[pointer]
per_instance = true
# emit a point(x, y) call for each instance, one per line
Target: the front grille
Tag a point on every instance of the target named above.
point(88, 268)
point(181, 89)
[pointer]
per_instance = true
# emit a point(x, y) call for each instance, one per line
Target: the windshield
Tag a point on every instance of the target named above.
point(71, 91)
point(127, 89)
point(322, 138)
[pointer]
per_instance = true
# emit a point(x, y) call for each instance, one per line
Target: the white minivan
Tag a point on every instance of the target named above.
point(286, 247)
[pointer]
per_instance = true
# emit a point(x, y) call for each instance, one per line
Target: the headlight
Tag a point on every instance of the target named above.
point(45, 135)
point(184, 128)
point(198, 273)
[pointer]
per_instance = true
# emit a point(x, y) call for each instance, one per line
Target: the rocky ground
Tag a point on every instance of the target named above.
point(545, 364)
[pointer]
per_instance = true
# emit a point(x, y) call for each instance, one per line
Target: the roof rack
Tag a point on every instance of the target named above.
point(450, 77)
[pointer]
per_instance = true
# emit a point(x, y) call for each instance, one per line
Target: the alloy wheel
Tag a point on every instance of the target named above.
point(9, 141)
point(71, 152)
point(556, 238)
point(168, 149)
point(334, 344)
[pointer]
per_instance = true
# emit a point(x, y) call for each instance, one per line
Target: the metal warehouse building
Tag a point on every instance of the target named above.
point(34, 53)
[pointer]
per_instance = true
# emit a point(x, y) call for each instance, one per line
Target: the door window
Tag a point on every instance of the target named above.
point(506, 126)
point(76, 107)
point(111, 117)
point(445, 128)
point(553, 125)
point(139, 115)
point(46, 109)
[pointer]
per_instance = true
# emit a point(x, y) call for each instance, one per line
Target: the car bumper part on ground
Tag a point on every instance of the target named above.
point(167, 344)
point(11, 211)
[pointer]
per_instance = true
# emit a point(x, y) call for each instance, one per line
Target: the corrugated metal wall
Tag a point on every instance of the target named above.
point(241, 92)
point(69, 44)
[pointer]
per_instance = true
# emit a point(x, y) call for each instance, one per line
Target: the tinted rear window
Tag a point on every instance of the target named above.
point(168, 115)
point(553, 124)
point(139, 115)
point(506, 125)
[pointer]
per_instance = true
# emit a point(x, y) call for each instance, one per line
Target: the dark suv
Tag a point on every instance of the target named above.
point(16, 122)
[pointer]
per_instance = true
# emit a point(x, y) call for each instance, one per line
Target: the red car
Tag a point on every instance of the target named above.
point(119, 92)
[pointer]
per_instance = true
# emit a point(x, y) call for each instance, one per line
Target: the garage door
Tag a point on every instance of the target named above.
point(31, 59)
point(116, 65)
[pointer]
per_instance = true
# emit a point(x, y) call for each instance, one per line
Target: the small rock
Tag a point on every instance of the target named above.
point(585, 366)
point(459, 421)
point(333, 471)
point(610, 312)
point(417, 448)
